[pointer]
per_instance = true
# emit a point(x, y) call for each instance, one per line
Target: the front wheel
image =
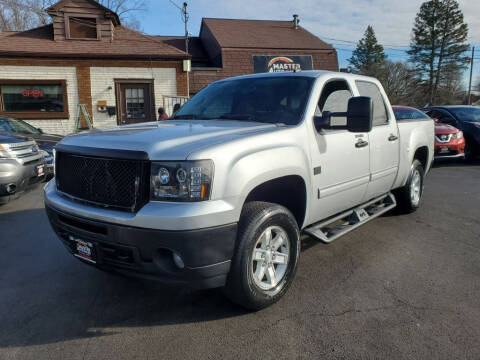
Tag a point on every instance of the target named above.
point(266, 255)
point(408, 197)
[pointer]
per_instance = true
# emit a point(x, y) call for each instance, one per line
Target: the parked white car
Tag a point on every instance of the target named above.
point(218, 196)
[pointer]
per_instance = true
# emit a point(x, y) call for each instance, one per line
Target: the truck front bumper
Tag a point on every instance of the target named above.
point(149, 253)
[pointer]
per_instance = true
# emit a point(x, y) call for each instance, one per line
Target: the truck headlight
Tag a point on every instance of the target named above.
point(181, 180)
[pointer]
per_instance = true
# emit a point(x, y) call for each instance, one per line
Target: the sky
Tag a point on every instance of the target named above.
point(340, 23)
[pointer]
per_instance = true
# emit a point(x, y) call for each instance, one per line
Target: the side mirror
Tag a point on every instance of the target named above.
point(40, 130)
point(436, 120)
point(359, 116)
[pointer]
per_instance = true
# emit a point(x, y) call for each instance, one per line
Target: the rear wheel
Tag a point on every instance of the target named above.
point(408, 197)
point(266, 255)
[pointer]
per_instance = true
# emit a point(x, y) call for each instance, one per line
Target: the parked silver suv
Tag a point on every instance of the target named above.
point(21, 164)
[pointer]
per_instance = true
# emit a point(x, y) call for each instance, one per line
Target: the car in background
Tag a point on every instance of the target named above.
point(21, 164)
point(449, 141)
point(463, 117)
point(46, 142)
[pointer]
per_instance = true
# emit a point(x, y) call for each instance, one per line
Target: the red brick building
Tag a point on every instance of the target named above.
point(227, 47)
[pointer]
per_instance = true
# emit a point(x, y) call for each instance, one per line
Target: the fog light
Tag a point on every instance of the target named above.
point(178, 261)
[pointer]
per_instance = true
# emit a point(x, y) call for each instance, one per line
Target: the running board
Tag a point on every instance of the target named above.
point(336, 226)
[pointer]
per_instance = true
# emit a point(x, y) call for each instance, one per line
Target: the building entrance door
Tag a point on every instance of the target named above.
point(135, 102)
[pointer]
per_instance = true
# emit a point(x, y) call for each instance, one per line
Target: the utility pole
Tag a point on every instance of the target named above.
point(471, 73)
point(185, 20)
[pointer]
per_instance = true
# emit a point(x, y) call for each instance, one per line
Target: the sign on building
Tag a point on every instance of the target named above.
point(274, 63)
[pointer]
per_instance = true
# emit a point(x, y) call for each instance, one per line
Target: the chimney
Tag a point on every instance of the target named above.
point(296, 21)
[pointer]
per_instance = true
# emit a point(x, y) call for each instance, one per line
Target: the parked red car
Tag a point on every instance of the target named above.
point(449, 141)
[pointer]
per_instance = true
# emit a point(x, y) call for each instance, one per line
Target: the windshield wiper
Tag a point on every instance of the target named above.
point(185, 117)
point(237, 117)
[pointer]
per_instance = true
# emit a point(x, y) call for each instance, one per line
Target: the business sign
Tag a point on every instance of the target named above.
point(272, 63)
point(32, 93)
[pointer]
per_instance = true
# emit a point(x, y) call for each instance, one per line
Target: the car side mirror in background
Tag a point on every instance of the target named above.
point(436, 120)
point(40, 130)
point(359, 116)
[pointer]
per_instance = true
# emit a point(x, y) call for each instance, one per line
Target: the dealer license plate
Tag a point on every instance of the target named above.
point(444, 149)
point(40, 170)
point(84, 249)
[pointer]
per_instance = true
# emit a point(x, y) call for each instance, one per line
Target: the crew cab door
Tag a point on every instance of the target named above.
point(340, 159)
point(384, 141)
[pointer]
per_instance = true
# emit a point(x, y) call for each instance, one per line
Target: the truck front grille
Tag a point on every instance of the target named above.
point(103, 182)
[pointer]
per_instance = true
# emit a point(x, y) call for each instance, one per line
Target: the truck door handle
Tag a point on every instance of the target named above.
point(361, 143)
point(392, 137)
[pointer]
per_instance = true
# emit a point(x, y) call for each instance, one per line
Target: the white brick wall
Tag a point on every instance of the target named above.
point(57, 126)
point(101, 78)
point(165, 83)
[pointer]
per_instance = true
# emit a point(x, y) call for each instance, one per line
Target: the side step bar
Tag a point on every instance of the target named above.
point(338, 225)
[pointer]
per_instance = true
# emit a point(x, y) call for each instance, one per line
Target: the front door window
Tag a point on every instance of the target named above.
point(135, 100)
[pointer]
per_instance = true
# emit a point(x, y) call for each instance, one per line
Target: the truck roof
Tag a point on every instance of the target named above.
point(303, 73)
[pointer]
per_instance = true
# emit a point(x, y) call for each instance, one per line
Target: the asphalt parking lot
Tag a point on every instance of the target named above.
point(400, 287)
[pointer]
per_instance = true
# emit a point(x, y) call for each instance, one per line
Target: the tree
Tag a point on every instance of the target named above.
point(127, 10)
point(19, 15)
point(438, 44)
point(369, 54)
point(399, 82)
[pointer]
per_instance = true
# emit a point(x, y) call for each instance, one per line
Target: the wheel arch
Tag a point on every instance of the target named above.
point(422, 154)
point(289, 191)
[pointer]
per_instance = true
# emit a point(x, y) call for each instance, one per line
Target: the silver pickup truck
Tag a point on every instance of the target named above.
point(219, 195)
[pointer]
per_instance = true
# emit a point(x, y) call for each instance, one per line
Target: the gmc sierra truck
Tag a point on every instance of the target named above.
point(219, 195)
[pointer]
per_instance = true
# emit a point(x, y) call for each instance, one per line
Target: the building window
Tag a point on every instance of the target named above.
point(29, 99)
point(82, 28)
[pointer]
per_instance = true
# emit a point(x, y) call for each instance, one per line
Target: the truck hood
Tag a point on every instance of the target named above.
point(168, 140)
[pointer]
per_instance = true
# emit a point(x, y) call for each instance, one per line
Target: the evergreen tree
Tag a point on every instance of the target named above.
point(438, 44)
point(369, 56)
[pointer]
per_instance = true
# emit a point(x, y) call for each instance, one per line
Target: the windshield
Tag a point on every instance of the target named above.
point(267, 99)
point(17, 126)
point(409, 114)
point(466, 113)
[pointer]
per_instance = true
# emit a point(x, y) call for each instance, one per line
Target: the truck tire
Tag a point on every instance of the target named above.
point(266, 255)
point(408, 197)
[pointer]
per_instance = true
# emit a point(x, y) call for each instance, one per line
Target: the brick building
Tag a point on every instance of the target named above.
point(85, 56)
point(228, 47)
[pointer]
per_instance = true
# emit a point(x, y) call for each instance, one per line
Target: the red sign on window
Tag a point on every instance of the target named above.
point(32, 93)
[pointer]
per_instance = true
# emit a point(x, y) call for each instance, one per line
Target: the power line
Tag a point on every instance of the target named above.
point(175, 4)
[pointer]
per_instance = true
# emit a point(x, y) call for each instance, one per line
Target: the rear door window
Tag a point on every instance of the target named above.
point(380, 114)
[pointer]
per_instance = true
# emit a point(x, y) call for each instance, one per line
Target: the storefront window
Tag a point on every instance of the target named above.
point(45, 98)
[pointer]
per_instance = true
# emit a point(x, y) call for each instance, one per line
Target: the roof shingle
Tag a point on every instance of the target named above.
point(268, 34)
point(126, 43)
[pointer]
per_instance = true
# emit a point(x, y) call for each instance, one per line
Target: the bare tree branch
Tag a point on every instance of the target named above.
point(18, 15)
